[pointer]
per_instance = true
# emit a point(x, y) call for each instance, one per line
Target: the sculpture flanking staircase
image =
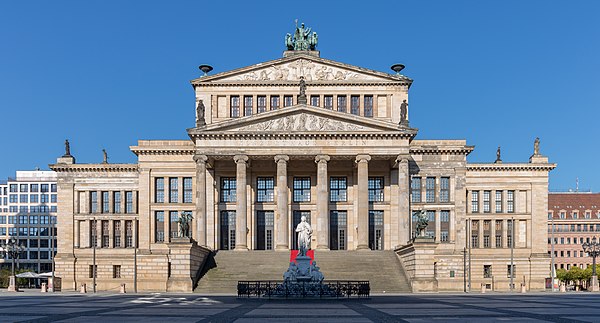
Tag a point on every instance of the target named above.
point(381, 268)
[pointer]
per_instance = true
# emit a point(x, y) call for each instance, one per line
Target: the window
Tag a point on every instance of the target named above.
point(375, 189)
point(445, 189)
point(228, 187)
point(187, 190)
point(159, 190)
point(44, 188)
point(486, 201)
point(23, 188)
point(430, 189)
point(248, 105)
point(301, 189)
point(341, 103)
point(487, 271)
point(474, 201)
point(261, 103)
point(117, 234)
point(328, 102)
point(93, 201)
point(338, 189)
point(498, 202)
point(53, 187)
point(129, 202)
point(510, 201)
point(116, 271)
point(265, 189)
point(234, 106)
point(93, 271)
point(34, 188)
point(159, 226)
point(415, 189)
point(104, 202)
point(23, 198)
point(173, 190)
point(368, 105)
point(174, 218)
point(355, 104)
point(274, 102)
point(314, 100)
point(288, 100)
point(512, 270)
point(117, 202)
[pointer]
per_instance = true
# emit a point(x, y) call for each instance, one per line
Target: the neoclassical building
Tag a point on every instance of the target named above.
point(303, 135)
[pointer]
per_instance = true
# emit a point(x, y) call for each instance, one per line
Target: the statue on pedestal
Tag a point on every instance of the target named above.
point(304, 234)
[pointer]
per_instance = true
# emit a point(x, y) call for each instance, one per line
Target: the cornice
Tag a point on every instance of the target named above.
point(511, 167)
point(83, 168)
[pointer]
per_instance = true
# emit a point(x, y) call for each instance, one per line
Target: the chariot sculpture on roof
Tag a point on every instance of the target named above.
point(302, 39)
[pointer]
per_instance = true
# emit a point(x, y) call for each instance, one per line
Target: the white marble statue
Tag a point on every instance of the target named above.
point(304, 233)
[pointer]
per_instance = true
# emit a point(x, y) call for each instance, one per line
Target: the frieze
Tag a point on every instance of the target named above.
point(302, 122)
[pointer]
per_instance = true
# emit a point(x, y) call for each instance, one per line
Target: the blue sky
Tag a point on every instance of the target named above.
point(107, 73)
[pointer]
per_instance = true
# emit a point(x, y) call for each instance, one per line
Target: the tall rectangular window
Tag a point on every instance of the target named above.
point(94, 202)
point(338, 189)
point(444, 189)
point(288, 100)
point(341, 103)
point(274, 102)
point(117, 234)
point(105, 204)
point(368, 105)
point(375, 189)
point(415, 189)
point(314, 100)
point(248, 105)
point(159, 190)
point(265, 189)
point(328, 102)
point(159, 226)
point(228, 189)
point(261, 103)
point(444, 225)
point(498, 202)
point(234, 106)
point(129, 202)
point(430, 189)
point(187, 190)
point(474, 201)
point(301, 189)
point(486, 201)
point(174, 218)
point(355, 104)
point(117, 202)
point(173, 190)
point(510, 201)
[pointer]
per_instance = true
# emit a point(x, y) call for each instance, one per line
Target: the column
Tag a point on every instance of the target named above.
point(241, 226)
point(404, 200)
point(282, 204)
point(201, 198)
point(362, 162)
point(322, 203)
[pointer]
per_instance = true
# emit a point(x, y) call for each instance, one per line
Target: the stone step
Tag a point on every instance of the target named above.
point(381, 268)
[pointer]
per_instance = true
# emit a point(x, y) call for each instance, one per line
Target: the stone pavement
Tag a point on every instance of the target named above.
point(70, 307)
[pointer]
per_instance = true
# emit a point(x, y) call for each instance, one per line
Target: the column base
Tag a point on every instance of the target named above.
point(363, 247)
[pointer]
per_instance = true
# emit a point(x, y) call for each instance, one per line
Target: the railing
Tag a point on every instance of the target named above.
point(332, 288)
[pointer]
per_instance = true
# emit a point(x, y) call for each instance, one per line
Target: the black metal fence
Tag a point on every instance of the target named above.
point(280, 289)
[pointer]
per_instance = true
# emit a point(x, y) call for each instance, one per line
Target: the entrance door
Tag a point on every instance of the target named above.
point(227, 230)
point(264, 230)
point(338, 224)
point(296, 216)
point(376, 230)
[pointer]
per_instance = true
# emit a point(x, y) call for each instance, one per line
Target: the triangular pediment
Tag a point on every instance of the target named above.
point(312, 68)
point(304, 119)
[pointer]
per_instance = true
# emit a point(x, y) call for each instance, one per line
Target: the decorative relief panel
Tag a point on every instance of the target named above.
point(302, 122)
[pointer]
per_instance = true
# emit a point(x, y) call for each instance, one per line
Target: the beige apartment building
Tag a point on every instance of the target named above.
point(299, 136)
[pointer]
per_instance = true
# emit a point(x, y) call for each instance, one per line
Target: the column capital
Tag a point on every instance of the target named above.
point(282, 158)
point(240, 159)
point(200, 159)
point(362, 158)
point(322, 159)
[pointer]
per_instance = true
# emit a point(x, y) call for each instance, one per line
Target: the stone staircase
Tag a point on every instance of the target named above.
point(381, 268)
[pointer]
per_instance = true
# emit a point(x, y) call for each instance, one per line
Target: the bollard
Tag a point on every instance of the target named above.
point(83, 289)
point(44, 288)
point(523, 288)
point(122, 288)
point(483, 288)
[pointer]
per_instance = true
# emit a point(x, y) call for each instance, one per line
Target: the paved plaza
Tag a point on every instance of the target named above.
point(64, 307)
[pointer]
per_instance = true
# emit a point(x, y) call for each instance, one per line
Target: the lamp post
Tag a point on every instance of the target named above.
point(13, 250)
point(593, 249)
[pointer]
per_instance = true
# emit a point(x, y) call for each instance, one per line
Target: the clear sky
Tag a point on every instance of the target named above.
point(107, 73)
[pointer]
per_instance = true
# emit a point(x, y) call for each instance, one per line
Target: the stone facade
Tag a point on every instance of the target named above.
point(259, 158)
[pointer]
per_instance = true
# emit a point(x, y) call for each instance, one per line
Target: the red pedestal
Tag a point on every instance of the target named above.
point(294, 254)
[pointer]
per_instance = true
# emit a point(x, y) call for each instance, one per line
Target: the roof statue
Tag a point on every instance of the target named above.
point(302, 39)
